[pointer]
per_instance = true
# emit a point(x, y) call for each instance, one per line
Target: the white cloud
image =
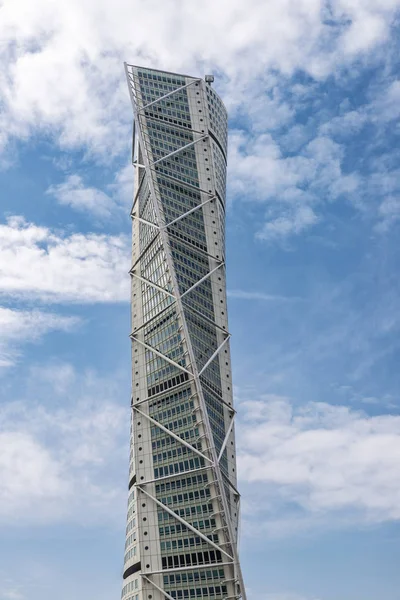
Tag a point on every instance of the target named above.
point(369, 30)
point(18, 327)
point(122, 187)
point(294, 188)
point(259, 171)
point(25, 464)
point(325, 459)
point(66, 453)
point(60, 79)
point(382, 109)
point(38, 263)
point(11, 592)
point(293, 221)
point(389, 212)
point(348, 124)
point(18, 324)
point(72, 192)
point(65, 74)
point(387, 107)
point(264, 105)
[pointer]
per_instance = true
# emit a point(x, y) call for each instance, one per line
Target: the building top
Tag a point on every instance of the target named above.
point(209, 79)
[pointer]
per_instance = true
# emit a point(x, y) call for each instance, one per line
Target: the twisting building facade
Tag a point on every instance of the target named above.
point(183, 507)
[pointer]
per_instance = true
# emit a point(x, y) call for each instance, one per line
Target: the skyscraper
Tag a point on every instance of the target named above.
point(183, 507)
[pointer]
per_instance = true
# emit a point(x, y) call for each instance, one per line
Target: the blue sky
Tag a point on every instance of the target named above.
point(313, 93)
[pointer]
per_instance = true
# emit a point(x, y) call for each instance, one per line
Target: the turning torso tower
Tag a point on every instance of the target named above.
point(183, 507)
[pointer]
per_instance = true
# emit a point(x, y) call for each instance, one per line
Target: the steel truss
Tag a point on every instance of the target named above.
point(209, 455)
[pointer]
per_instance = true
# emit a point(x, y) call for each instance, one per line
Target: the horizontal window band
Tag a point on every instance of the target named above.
point(210, 133)
point(132, 569)
point(165, 386)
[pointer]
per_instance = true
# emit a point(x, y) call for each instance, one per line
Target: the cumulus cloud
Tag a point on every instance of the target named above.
point(65, 73)
point(324, 459)
point(291, 186)
point(18, 327)
point(25, 464)
point(59, 79)
point(72, 192)
point(386, 106)
point(292, 221)
point(38, 263)
point(67, 455)
point(348, 124)
point(389, 212)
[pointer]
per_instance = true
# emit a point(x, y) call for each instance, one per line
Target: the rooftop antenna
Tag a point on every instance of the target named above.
point(209, 79)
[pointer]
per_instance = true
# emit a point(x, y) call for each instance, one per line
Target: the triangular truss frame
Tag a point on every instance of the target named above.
point(214, 459)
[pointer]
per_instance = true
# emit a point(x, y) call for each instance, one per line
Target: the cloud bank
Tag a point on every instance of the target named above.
point(38, 263)
point(67, 454)
point(19, 326)
point(77, 92)
point(327, 460)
